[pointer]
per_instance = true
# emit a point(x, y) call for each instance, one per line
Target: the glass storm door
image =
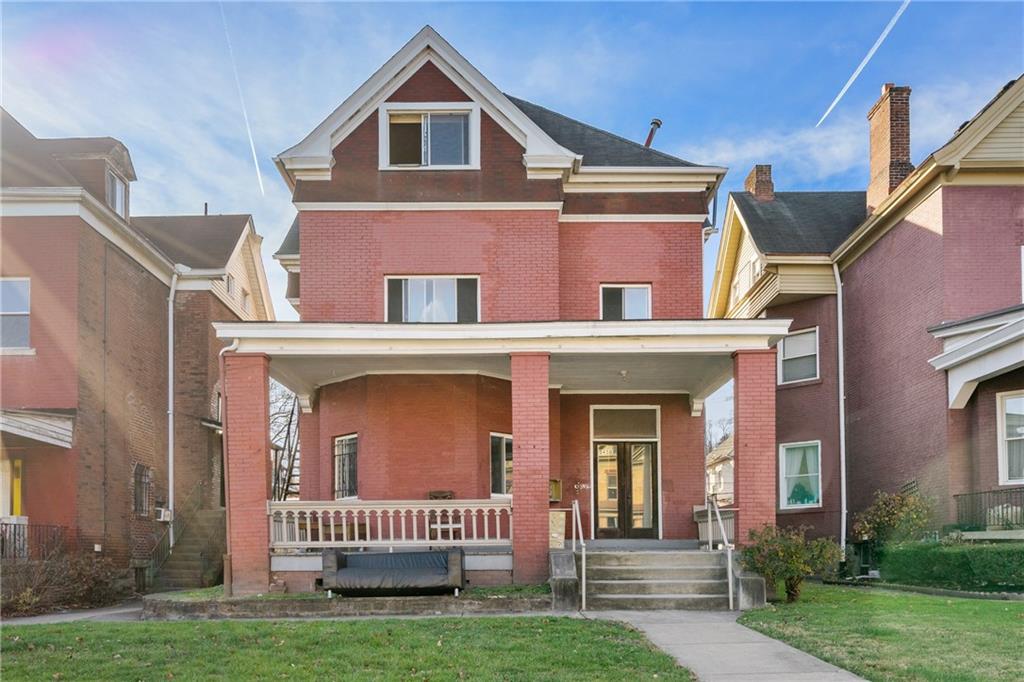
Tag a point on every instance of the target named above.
point(626, 490)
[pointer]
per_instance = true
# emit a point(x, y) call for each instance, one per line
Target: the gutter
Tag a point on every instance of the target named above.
point(841, 371)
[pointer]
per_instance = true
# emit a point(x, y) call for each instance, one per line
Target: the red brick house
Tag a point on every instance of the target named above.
point(499, 305)
point(918, 282)
point(84, 351)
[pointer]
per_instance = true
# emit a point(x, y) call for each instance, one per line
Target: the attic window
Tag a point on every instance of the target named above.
point(439, 139)
point(117, 194)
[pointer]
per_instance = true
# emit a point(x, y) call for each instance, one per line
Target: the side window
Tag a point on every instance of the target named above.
point(346, 450)
point(798, 357)
point(800, 475)
point(625, 301)
point(117, 194)
point(501, 464)
point(1010, 418)
point(15, 309)
point(433, 299)
point(142, 497)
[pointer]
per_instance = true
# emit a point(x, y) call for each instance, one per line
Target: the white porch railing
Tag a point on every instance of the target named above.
point(389, 523)
point(708, 530)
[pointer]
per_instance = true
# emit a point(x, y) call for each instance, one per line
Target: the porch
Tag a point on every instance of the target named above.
point(505, 423)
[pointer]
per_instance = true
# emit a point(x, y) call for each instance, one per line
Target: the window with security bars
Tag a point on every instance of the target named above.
point(143, 476)
point(346, 450)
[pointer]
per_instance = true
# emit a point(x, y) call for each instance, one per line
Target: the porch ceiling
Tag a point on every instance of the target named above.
point(686, 356)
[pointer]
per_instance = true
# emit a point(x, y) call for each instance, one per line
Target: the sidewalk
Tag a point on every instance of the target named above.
point(718, 649)
point(127, 611)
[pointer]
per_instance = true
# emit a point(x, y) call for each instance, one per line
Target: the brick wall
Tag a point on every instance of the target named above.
point(346, 255)
point(809, 410)
point(755, 467)
point(896, 401)
point(666, 255)
point(983, 231)
point(982, 433)
point(246, 381)
point(531, 455)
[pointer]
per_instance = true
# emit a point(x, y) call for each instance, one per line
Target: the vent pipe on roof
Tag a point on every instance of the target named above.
point(655, 124)
point(206, 208)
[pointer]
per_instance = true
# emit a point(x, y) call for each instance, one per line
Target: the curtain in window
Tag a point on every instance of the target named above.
point(1013, 418)
point(801, 475)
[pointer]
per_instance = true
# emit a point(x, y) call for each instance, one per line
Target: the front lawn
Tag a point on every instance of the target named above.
point(885, 635)
point(435, 648)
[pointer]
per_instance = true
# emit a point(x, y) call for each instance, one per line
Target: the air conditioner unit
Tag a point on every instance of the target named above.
point(162, 514)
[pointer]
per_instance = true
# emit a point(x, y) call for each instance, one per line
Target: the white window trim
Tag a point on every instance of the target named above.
point(383, 117)
point(494, 495)
point(592, 466)
point(782, 476)
point(334, 464)
point(1004, 455)
point(111, 173)
point(20, 350)
point(479, 295)
point(625, 285)
point(817, 356)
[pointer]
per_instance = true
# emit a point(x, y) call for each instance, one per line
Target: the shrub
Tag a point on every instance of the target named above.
point(786, 554)
point(956, 566)
point(58, 582)
point(892, 517)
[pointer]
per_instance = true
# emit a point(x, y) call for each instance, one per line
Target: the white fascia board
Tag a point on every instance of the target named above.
point(76, 202)
point(427, 45)
point(721, 278)
point(653, 336)
point(632, 217)
point(953, 151)
point(952, 331)
point(1011, 333)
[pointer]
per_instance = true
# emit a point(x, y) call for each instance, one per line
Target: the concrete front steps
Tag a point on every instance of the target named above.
point(653, 579)
point(198, 555)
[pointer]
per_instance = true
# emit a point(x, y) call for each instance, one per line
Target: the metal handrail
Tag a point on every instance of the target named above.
point(577, 527)
point(728, 547)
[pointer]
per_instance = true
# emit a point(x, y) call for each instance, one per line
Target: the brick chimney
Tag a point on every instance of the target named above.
point(889, 122)
point(759, 182)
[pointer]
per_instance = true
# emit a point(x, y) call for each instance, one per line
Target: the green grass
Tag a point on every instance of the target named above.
point(530, 648)
point(884, 635)
point(216, 593)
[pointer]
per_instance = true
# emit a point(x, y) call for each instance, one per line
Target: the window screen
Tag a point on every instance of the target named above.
point(612, 423)
point(449, 139)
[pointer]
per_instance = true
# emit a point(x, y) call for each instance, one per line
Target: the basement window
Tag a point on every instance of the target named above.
point(439, 139)
point(433, 299)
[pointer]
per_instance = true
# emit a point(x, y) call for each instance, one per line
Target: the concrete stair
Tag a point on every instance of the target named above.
point(652, 579)
point(197, 558)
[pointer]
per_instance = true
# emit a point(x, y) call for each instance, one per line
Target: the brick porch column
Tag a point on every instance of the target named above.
point(248, 468)
point(530, 467)
point(754, 475)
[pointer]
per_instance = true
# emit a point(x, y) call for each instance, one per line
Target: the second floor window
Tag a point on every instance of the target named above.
point(117, 194)
point(625, 301)
point(433, 299)
point(346, 450)
point(14, 312)
point(798, 357)
point(428, 139)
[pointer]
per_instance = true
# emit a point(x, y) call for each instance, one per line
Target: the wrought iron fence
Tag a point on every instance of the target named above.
point(33, 542)
point(990, 510)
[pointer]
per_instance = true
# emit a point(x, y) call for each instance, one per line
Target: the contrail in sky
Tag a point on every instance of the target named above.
point(245, 114)
point(864, 62)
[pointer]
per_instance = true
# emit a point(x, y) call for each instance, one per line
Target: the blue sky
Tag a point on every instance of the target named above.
point(735, 83)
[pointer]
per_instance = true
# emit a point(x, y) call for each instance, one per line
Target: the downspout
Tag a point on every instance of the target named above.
point(179, 270)
point(224, 472)
point(841, 370)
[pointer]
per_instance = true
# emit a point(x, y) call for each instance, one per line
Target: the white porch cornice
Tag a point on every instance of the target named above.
point(978, 353)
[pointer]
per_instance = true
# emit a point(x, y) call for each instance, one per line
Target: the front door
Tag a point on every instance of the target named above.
point(626, 489)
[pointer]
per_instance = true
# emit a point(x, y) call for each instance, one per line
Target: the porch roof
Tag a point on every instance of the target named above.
point(648, 356)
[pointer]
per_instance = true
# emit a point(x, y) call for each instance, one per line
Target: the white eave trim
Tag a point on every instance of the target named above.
point(650, 336)
point(990, 355)
point(51, 429)
point(632, 217)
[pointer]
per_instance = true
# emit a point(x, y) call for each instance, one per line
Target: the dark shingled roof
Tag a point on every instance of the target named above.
point(290, 245)
point(198, 241)
point(598, 147)
point(801, 222)
point(24, 162)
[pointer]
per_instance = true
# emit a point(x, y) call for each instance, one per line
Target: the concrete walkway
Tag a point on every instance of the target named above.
point(718, 649)
point(127, 611)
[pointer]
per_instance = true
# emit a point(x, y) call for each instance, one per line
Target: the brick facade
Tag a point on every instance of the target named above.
point(531, 456)
point(755, 465)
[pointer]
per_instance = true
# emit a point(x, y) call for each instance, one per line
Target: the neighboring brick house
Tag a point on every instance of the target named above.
point(928, 262)
point(567, 361)
point(84, 290)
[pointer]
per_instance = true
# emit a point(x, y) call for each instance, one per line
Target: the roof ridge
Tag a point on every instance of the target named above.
point(600, 130)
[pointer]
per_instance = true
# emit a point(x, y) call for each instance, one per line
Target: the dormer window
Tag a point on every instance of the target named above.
point(117, 193)
point(435, 137)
